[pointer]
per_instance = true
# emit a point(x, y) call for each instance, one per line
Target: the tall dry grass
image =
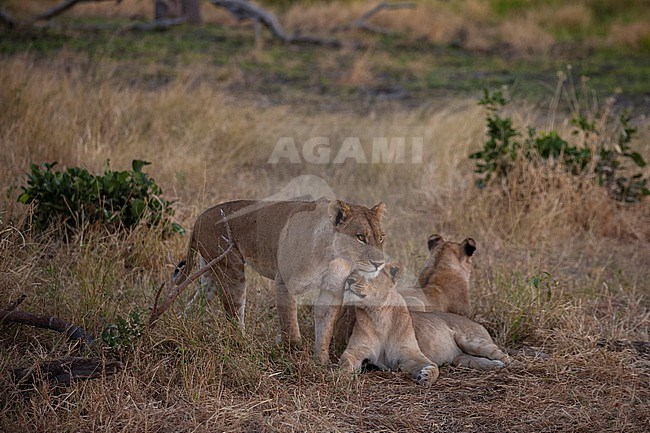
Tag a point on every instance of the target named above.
point(561, 271)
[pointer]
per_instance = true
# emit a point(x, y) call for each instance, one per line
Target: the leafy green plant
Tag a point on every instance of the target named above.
point(120, 199)
point(125, 332)
point(605, 153)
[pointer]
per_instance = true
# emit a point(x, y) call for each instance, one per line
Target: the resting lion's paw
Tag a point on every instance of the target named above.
point(428, 375)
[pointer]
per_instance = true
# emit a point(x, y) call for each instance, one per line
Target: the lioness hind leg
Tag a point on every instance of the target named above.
point(481, 347)
point(478, 363)
point(287, 313)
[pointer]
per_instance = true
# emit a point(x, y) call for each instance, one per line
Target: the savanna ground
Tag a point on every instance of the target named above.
point(561, 272)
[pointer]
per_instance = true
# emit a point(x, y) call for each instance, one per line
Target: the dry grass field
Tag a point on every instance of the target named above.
point(561, 275)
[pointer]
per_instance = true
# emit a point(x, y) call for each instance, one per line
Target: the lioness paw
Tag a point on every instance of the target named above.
point(428, 375)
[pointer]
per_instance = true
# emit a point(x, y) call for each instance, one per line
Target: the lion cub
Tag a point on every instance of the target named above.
point(443, 332)
point(383, 332)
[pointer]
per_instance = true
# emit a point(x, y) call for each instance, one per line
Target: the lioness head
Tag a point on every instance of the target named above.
point(363, 290)
point(359, 237)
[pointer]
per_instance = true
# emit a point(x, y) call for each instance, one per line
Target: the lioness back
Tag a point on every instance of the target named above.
point(255, 228)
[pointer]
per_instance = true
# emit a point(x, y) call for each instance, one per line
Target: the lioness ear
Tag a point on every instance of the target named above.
point(469, 246)
point(339, 212)
point(434, 240)
point(395, 270)
point(379, 209)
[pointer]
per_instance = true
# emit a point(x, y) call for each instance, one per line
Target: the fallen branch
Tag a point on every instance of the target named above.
point(362, 21)
point(242, 10)
point(174, 292)
point(73, 332)
point(65, 370)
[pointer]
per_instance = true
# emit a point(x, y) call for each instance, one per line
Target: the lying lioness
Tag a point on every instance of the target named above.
point(383, 333)
point(445, 337)
point(307, 247)
point(442, 336)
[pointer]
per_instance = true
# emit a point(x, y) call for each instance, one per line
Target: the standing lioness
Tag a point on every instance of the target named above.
point(307, 247)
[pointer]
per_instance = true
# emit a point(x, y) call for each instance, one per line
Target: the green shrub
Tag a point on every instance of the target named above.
point(125, 332)
point(118, 199)
point(608, 157)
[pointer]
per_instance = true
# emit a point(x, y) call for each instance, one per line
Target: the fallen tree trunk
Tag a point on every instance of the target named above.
point(73, 332)
point(65, 370)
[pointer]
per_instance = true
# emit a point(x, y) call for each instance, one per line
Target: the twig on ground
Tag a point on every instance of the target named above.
point(158, 309)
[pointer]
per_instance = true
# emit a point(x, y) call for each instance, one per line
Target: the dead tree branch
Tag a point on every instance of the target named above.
point(363, 24)
point(65, 370)
point(73, 332)
point(242, 10)
point(175, 291)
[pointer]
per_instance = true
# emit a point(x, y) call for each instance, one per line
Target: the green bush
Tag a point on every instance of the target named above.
point(609, 158)
point(118, 199)
point(125, 332)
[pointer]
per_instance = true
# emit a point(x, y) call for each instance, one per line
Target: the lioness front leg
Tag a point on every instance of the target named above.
point(326, 313)
point(287, 312)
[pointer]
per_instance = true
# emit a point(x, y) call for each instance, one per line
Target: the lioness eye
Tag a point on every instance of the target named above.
point(381, 239)
point(361, 238)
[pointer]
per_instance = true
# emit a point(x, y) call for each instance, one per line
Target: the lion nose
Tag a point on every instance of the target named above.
point(377, 265)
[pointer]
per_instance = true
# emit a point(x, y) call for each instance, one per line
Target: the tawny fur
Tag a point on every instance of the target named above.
point(383, 334)
point(443, 331)
point(443, 284)
point(443, 336)
point(307, 247)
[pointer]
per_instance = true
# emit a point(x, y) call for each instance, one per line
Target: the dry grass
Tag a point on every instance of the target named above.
point(579, 336)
